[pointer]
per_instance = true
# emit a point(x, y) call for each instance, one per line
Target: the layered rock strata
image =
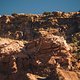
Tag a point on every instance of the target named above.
point(33, 47)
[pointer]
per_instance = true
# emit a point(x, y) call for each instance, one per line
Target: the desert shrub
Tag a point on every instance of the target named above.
point(47, 13)
point(76, 42)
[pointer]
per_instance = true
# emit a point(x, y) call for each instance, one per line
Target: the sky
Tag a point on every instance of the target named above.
point(38, 6)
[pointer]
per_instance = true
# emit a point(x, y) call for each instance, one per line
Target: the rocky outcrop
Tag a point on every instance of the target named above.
point(34, 47)
point(39, 58)
point(27, 26)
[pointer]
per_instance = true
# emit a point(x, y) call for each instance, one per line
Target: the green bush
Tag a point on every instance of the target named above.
point(46, 13)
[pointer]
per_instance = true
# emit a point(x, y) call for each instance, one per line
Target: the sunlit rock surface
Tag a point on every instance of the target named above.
point(37, 47)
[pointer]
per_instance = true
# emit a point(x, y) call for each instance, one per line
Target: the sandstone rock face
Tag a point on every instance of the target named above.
point(68, 75)
point(41, 57)
point(34, 47)
point(27, 26)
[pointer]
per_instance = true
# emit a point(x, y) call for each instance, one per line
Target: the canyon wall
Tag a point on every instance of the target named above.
point(28, 26)
point(39, 46)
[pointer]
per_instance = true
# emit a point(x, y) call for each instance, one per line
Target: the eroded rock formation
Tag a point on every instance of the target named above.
point(33, 47)
point(27, 26)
